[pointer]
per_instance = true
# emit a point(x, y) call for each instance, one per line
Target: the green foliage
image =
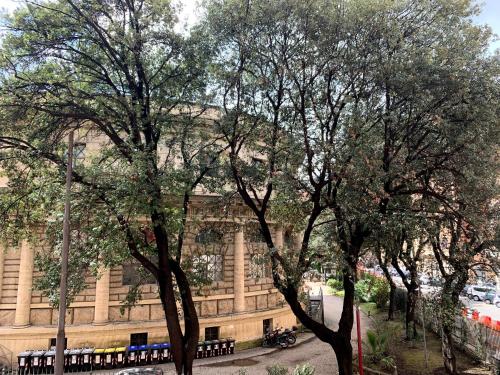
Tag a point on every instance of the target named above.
point(304, 369)
point(380, 292)
point(340, 293)
point(74, 78)
point(377, 342)
point(334, 284)
point(363, 289)
point(373, 289)
point(276, 369)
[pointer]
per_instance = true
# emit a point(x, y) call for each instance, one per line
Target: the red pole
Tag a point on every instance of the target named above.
point(360, 347)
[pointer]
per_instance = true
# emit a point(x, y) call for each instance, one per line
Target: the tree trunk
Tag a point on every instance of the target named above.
point(392, 296)
point(392, 285)
point(191, 323)
point(340, 341)
point(450, 361)
point(343, 352)
point(410, 325)
point(450, 299)
point(171, 316)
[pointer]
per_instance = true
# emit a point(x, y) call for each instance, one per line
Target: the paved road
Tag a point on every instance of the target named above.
point(483, 308)
point(311, 350)
point(307, 349)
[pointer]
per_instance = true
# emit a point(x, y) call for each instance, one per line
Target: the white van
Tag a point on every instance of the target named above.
point(477, 292)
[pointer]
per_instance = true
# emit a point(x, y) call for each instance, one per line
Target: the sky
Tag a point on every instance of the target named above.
point(490, 14)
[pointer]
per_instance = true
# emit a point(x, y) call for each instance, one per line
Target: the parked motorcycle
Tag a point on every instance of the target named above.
point(278, 337)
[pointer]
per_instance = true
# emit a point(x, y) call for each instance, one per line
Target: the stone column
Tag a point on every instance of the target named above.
point(3, 249)
point(297, 240)
point(278, 242)
point(239, 270)
point(24, 286)
point(101, 310)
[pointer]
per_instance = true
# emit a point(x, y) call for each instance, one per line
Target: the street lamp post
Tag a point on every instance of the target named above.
point(60, 340)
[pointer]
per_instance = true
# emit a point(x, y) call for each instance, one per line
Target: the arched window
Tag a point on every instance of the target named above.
point(208, 236)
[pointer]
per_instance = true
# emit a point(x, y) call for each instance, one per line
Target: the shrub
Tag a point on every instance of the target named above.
point(362, 290)
point(334, 284)
point(276, 370)
point(378, 344)
point(380, 292)
point(304, 369)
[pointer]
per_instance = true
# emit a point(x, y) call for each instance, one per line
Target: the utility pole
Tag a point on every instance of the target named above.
point(60, 340)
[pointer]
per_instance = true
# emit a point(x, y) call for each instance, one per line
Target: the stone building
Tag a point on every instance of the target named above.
point(240, 302)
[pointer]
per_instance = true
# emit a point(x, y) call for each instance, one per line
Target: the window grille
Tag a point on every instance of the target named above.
point(209, 266)
point(259, 266)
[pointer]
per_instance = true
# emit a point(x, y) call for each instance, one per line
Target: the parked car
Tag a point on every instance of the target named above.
point(464, 290)
point(489, 297)
point(477, 293)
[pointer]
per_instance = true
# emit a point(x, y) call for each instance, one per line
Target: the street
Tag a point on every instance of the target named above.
point(483, 308)
point(308, 349)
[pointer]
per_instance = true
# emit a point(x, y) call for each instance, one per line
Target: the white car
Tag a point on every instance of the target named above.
point(477, 293)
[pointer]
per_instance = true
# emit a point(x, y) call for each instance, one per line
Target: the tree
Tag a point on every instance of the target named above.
point(464, 236)
point(354, 109)
point(407, 251)
point(117, 74)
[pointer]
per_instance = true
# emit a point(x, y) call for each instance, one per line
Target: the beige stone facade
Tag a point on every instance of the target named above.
point(237, 302)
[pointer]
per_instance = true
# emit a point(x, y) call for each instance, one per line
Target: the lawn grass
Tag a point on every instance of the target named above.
point(369, 308)
point(410, 355)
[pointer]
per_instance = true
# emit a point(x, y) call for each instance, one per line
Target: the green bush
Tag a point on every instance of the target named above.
point(377, 345)
point(362, 289)
point(339, 293)
point(334, 284)
point(380, 292)
point(276, 370)
point(304, 369)
point(373, 289)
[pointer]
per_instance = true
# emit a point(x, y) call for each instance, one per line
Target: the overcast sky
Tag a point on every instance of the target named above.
point(490, 14)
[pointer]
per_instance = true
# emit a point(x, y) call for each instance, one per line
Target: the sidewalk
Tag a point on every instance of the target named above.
point(225, 364)
point(254, 361)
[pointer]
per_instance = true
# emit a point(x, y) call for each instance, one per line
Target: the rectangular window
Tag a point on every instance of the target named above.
point(211, 267)
point(78, 152)
point(267, 326)
point(139, 339)
point(211, 333)
point(259, 266)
